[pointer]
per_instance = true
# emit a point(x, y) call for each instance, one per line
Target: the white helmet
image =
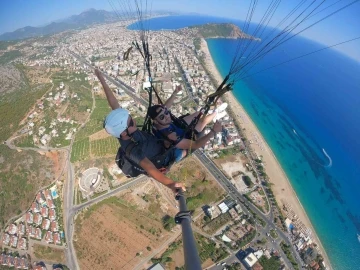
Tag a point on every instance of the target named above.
point(116, 122)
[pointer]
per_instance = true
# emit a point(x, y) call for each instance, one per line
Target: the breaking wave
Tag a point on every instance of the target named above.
point(330, 160)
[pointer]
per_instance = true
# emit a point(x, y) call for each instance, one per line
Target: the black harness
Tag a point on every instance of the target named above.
point(130, 168)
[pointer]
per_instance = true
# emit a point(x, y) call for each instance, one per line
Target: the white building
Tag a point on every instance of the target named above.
point(223, 207)
point(250, 260)
point(258, 253)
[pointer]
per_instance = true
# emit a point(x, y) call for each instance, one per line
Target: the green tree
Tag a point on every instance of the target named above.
point(207, 218)
point(247, 181)
point(168, 222)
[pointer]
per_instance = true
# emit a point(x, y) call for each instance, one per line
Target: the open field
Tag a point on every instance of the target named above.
point(85, 149)
point(37, 74)
point(201, 187)
point(176, 255)
point(104, 147)
point(97, 117)
point(22, 174)
point(116, 233)
point(49, 254)
point(80, 150)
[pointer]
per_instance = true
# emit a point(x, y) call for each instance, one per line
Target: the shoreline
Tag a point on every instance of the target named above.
point(282, 189)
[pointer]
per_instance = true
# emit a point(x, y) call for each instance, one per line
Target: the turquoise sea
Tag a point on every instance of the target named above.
point(308, 111)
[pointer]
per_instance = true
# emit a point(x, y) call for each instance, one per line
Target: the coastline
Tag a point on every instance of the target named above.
point(283, 191)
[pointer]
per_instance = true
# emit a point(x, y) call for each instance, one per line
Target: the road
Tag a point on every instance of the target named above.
point(68, 200)
point(127, 185)
point(235, 195)
point(129, 90)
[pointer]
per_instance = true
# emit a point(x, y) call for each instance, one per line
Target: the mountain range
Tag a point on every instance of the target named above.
point(84, 19)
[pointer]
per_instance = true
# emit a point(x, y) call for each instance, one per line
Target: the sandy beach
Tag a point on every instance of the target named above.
point(282, 188)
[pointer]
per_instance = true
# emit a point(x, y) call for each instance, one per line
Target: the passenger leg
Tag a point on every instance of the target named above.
point(203, 121)
point(190, 117)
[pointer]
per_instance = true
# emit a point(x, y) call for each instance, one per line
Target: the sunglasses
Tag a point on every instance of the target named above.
point(131, 123)
point(164, 112)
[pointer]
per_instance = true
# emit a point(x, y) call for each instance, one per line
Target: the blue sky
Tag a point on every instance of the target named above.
point(344, 25)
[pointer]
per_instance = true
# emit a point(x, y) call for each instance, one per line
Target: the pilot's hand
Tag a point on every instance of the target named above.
point(217, 127)
point(175, 187)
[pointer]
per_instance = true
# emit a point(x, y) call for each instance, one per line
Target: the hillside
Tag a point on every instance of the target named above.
point(221, 30)
point(86, 18)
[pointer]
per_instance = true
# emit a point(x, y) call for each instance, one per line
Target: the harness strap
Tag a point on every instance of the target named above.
point(156, 160)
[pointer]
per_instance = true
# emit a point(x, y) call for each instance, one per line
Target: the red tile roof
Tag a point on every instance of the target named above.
point(57, 239)
point(49, 237)
point(52, 214)
point(47, 194)
point(54, 226)
point(37, 219)
point(35, 207)
point(29, 217)
point(50, 203)
point(45, 224)
point(40, 198)
point(44, 211)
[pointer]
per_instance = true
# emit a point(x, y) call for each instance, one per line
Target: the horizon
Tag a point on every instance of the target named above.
point(343, 26)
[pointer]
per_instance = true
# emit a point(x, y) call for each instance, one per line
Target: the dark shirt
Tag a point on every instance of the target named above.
point(172, 128)
point(147, 146)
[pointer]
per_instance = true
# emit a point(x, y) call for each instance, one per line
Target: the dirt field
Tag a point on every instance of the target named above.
point(232, 164)
point(177, 257)
point(102, 134)
point(37, 75)
point(151, 197)
point(114, 235)
point(49, 254)
point(207, 263)
point(58, 159)
point(201, 187)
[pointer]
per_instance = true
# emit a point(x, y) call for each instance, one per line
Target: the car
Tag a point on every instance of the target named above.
point(223, 263)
